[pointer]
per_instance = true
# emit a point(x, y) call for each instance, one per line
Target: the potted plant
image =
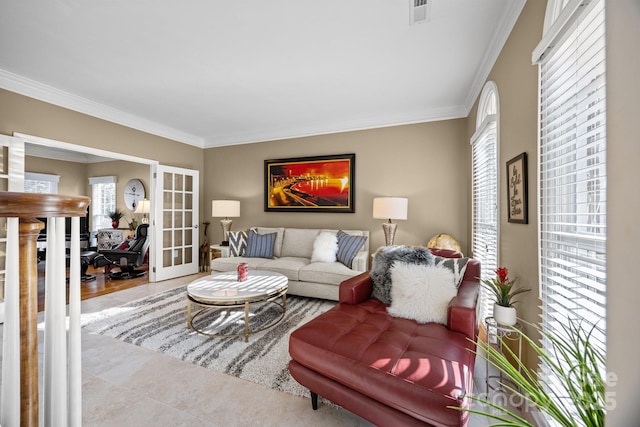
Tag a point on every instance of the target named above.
point(503, 290)
point(115, 216)
point(579, 396)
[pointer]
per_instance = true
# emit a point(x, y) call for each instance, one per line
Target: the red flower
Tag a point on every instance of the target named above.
point(502, 273)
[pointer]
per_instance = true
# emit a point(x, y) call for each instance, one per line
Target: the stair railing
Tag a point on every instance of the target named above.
point(62, 376)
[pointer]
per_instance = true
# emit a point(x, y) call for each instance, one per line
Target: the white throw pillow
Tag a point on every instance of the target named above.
point(421, 292)
point(325, 247)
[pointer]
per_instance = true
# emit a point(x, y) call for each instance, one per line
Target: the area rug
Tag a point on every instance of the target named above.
point(159, 323)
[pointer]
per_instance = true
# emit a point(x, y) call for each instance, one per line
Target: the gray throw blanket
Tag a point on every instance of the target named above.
point(385, 258)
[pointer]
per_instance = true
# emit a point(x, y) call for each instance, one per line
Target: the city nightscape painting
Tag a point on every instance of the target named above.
point(310, 184)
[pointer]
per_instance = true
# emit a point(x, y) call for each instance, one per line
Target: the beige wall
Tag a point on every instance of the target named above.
point(623, 205)
point(29, 116)
point(517, 82)
point(124, 171)
point(424, 162)
point(73, 176)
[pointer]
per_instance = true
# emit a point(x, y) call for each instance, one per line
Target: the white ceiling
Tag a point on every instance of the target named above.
point(212, 73)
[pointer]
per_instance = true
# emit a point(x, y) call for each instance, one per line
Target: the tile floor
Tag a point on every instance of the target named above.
point(126, 385)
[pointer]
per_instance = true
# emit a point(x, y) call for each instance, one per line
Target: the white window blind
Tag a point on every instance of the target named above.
point(103, 201)
point(573, 176)
point(41, 183)
point(485, 193)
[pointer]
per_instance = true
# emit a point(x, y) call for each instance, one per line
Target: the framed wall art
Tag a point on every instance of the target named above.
point(517, 196)
point(310, 184)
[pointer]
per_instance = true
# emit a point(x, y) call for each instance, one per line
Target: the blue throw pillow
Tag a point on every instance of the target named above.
point(348, 247)
point(260, 245)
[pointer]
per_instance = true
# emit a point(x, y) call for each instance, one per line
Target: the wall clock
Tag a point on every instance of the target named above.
point(133, 193)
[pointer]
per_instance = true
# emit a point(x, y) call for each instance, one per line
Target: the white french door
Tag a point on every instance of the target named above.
point(11, 179)
point(176, 218)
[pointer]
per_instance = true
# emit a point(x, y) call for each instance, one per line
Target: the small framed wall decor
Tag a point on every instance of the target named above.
point(310, 184)
point(517, 189)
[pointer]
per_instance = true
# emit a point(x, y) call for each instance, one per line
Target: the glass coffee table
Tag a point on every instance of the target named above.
point(222, 291)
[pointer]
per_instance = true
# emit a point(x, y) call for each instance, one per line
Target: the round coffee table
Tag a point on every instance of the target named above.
point(222, 290)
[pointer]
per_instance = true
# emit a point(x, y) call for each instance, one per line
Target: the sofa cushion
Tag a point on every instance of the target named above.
point(418, 369)
point(325, 247)
point(332, 273)
point(298, 242)
point(260, 245)
point(237, 242)
point(348, 246)
point(421, 292)
point(231, 263)
point(289, 266)
point(279, 236)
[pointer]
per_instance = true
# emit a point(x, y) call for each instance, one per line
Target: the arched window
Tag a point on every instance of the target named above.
point(484, 146)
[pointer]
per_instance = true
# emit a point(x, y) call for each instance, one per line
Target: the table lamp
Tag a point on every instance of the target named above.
point(144, 207)
point(390, 208)
point(226, 209)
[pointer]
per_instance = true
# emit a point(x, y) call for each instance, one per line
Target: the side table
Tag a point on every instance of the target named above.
point(219, 251)
point(496, 335)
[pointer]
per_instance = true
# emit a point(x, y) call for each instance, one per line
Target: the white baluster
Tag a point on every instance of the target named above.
point(10, 405)
point(75, 356)
point(55, 342)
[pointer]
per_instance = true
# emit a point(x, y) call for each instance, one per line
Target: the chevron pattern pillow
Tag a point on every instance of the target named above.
point(237, 242)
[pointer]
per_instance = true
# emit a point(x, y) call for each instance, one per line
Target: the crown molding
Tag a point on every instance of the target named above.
point(265, 135)
point(42, 92)
point(507, 22)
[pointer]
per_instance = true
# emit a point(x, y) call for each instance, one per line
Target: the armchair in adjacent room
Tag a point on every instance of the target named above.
point(127, 255)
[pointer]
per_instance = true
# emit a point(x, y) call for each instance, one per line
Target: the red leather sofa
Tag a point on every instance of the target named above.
point(388, 370)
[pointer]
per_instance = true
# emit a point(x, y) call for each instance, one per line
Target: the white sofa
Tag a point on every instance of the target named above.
point(292, 252)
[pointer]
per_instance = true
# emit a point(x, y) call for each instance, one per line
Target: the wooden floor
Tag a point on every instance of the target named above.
point(101, 285)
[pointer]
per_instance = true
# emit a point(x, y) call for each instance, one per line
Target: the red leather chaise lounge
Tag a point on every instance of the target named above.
point(389, 370)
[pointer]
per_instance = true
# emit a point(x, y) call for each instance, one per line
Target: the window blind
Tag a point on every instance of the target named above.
point(572, 187)
point(485, 205)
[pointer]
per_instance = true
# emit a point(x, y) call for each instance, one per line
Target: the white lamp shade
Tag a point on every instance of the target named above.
point(225, 208)
point(144, 207)
point(390, 207)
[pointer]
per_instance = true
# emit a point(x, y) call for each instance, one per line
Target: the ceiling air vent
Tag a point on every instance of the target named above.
point(419, 10)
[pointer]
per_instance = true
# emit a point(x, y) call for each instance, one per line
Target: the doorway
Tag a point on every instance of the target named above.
point(44, 144)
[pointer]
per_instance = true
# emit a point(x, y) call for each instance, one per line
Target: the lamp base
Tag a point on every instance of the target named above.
point(226, 227)
point(389, 229)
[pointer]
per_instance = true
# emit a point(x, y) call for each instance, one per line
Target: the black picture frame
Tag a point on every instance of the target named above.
point(310, 184)
point(517, 190)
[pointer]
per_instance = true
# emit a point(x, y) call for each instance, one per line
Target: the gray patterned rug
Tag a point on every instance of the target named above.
point(159, 323)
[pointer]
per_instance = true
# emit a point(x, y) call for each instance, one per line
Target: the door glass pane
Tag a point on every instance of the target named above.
point(177, 220)
point(166, 258)
point(177, 238)
point(188, 184)
point(188, 219)
point(168, 181)
point(187, 256)
point(167, 200)
point(167, 218)
point(178, 182)
point(166, 239)
point(178, 201)
point(188, 201)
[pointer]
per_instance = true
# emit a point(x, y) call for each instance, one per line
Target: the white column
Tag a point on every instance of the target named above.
point(10, 405)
